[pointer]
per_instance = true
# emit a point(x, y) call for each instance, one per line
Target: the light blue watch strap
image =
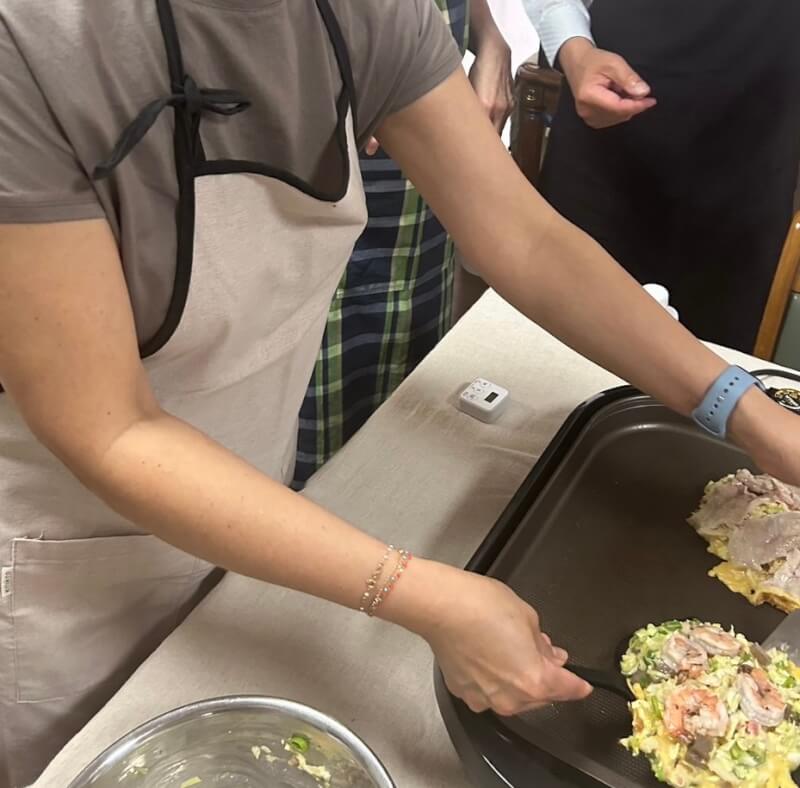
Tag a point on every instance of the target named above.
point(714, 411)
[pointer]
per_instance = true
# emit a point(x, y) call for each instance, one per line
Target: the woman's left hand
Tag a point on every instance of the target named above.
point(770, 434)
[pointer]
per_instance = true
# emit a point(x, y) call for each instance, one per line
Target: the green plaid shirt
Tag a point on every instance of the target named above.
point(392, 306)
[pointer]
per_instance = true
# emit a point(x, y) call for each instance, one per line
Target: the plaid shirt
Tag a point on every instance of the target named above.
point(392, 306)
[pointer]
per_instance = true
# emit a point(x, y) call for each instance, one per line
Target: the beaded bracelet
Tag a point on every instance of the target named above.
point(374, 579)
point(402, 565)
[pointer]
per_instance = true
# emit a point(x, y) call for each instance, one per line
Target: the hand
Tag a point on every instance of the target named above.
point(486, 640)
point(494, 656)
point(491, 79)
point(769, 433)
point(372, 147)
point(607, 90)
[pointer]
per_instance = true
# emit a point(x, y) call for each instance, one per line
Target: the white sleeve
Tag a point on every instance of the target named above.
point(556, 21)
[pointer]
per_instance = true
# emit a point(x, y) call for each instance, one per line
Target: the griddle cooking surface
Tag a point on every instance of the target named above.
point(605, 549)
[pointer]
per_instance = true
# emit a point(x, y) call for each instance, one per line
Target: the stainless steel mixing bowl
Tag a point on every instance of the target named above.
point(238, 742)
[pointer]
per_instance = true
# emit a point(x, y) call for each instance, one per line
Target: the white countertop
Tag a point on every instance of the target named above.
point(420, 474)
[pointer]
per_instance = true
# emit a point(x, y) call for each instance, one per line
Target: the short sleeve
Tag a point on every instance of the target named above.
point(437, 56)
point(40, 177)
point(401, 50)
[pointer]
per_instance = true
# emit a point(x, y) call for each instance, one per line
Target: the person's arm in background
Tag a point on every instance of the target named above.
point(490, 74)
point(607, 90)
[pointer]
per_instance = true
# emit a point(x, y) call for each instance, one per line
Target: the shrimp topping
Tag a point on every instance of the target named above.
point(715, 641)
point(760, 700)
point(681, 655)
point(694, 711)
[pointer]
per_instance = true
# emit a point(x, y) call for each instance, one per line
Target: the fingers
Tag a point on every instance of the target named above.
point(557, 655)
point(514, 668)
point(608, 91)
point(549, 684)
point(506, 107)
point(539, 687)
point(607, 100)
point(498, 109)
point(498, 120)
point(372, 147)
point(600, 107)
point(618, 71)
point(494, 87)
point(636, 107)
point(565, 686)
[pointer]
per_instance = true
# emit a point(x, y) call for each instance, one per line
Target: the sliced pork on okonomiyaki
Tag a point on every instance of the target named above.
point(752, 522)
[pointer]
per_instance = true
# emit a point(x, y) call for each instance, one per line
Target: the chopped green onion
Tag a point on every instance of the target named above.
point(655, 706)
point(299, 743)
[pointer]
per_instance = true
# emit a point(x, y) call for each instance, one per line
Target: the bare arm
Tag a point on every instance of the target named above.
point(556, 274)
point(69, 360)
point(73, 370)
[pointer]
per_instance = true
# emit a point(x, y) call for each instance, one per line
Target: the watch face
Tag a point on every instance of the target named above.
point(789, 398)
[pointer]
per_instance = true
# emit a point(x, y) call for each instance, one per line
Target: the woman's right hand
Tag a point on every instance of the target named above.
point(488, 644)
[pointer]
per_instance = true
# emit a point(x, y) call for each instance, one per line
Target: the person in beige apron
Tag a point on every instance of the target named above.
point(259, 258)
point(192, 443)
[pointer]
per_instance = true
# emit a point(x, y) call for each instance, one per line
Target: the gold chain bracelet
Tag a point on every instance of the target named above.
point(401, 566)
point(374, 579)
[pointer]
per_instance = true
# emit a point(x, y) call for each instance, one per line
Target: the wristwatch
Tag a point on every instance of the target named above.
point(722, 398)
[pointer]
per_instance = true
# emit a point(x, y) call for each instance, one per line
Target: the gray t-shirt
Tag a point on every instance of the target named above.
point(74, 73)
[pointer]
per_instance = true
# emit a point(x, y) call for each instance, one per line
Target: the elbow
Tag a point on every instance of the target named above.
point(84, 450)
point(81, 438)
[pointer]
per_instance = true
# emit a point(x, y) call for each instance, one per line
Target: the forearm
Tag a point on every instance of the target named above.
point(567, 283)
point(575, 290)
point(75, 376)
point(176, 483)
point(482, 27)
point(550, 270)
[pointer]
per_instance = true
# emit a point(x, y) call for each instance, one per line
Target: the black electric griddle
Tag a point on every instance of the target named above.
point(596, 539)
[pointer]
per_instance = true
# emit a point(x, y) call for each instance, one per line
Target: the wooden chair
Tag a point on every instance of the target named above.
point(537, 89)
point(779, 335)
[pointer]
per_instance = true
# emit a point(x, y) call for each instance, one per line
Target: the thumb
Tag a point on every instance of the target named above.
point(619, 72)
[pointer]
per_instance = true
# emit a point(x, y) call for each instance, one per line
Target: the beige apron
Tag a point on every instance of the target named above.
point(85, 596)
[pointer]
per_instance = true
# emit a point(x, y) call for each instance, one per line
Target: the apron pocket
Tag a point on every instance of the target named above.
point(87, 610)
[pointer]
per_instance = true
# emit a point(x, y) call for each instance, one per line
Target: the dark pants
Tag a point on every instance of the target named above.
point(695, 194)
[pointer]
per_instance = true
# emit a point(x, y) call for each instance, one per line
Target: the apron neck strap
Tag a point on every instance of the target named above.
point(342, 55)
point(185, 97)
point(172, 43)
point(190, 102)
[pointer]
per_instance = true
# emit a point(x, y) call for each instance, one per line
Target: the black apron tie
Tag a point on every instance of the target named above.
point(188, 96)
